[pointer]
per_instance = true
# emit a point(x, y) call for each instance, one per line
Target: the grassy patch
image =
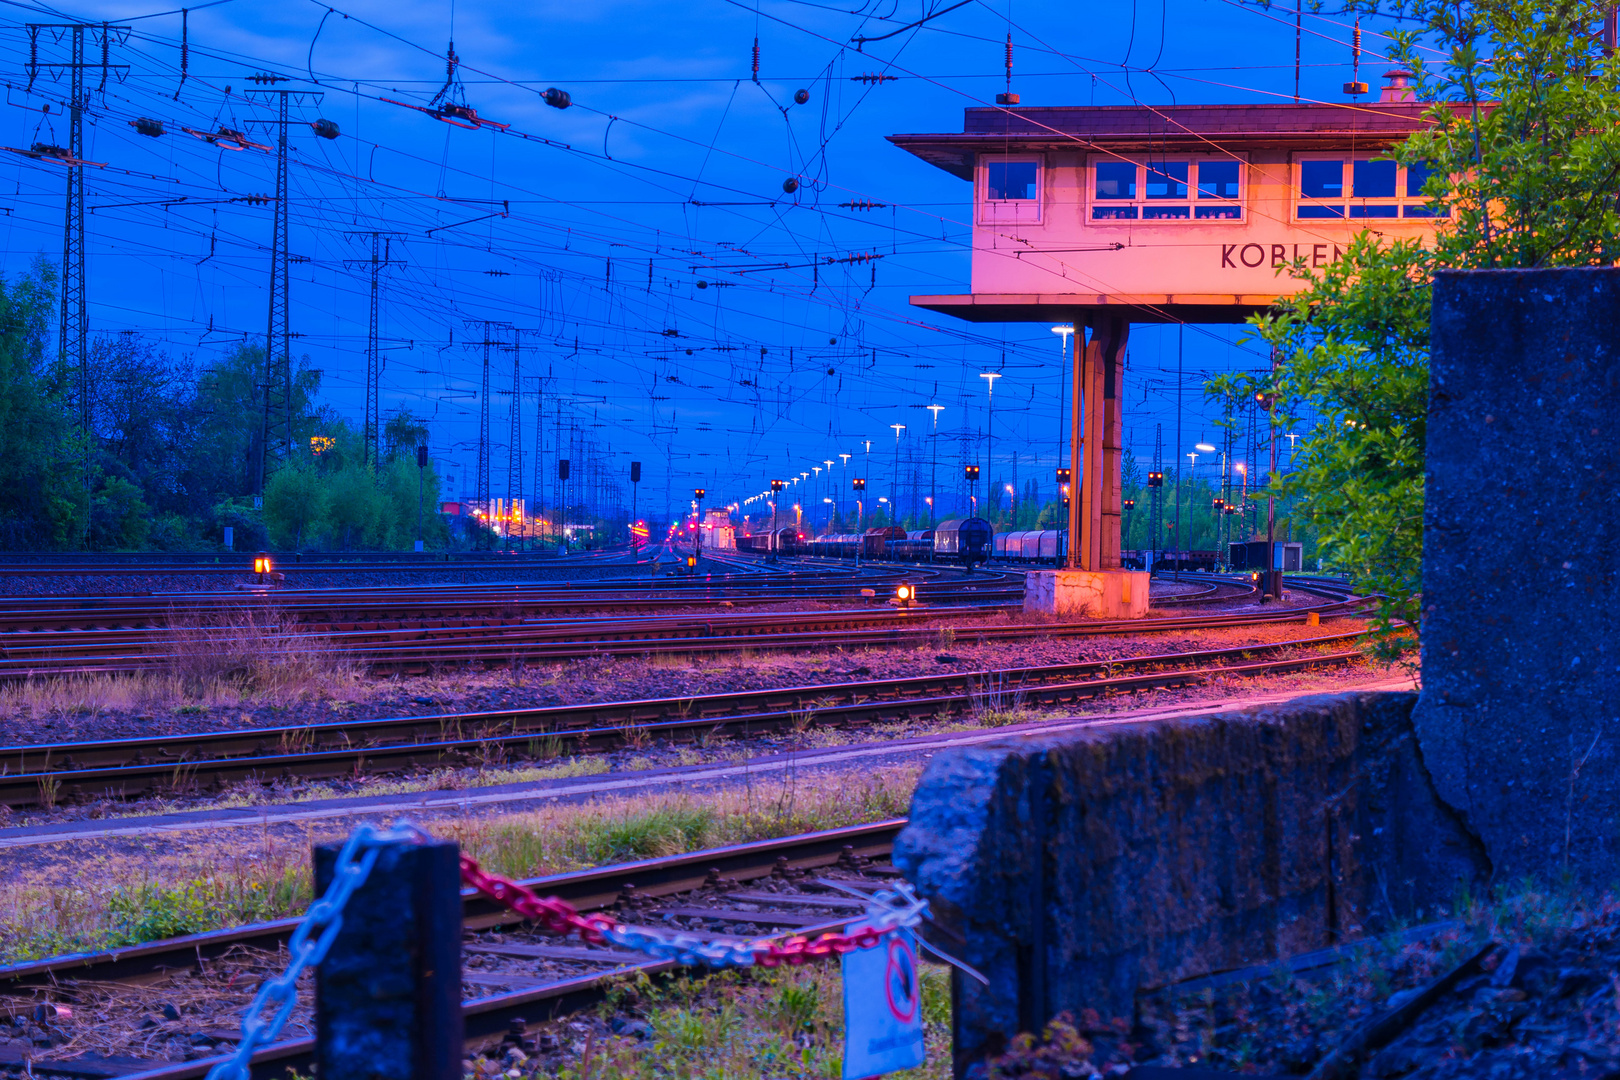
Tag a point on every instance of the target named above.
point(754, 1025)
point(239, 876)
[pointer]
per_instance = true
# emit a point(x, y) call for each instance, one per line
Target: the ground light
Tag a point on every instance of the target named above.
point(905, 594)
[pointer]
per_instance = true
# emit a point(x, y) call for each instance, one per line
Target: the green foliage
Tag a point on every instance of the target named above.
point(1524, 151)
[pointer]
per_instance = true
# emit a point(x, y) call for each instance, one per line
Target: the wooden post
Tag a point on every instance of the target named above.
point(388, 994)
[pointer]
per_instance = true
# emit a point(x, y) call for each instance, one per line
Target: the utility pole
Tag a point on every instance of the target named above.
point(277, 411)
point(514, 447)
point(481, 491)
point(372, 432)
point(74, 322)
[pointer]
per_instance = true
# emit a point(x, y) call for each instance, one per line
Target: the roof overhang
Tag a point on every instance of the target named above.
point(1075, 307)
point(1138, 129)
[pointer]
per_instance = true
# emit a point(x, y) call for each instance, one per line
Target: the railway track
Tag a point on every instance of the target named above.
point(512, 979)
point(42, 775)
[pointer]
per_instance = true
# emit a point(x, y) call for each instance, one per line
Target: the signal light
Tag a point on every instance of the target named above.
point(905, 594)
point(1264, 399)
point(970, 472)
point(1063, 476)
point(1129, 504)
point(1155, 480)
point(860, 483)
point(777, 485)
point(261, 563)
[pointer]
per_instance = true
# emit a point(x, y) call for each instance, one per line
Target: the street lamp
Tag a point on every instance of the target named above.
point(933, 469)
point(990, 378)
point(894, 492)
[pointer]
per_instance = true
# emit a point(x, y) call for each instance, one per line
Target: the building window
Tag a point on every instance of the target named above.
point(1167, 189)
point(1011, 179)
point(1011, 191)
point(1376, 190)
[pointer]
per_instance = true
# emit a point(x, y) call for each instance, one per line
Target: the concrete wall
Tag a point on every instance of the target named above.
point(1074, 869)
point(1520, 713)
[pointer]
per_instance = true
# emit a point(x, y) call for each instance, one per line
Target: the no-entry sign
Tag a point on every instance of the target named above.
point(883, 1030)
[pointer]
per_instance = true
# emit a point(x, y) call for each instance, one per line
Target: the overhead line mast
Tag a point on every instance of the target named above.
point(276, 422)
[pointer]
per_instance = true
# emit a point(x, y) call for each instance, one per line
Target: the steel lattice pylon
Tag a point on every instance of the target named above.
point(514, 449)
point(373, 420)
point(276, 422)
point(75, 326)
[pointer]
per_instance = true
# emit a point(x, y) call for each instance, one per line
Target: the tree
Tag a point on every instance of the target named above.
point(1523, 163)
point(294, 499)
point(42, 490)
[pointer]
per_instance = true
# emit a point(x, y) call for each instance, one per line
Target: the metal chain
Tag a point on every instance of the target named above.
point(886, 911)
point(310, 942)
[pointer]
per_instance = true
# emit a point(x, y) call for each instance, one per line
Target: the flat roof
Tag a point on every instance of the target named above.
point(1373, 125)
point(1075, 307)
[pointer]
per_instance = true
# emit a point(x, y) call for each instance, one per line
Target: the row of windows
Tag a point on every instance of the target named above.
point(1212, 189)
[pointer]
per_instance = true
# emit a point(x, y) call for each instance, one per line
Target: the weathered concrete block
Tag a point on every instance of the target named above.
point(1074, 869)
point(1098, 594)
point(1519, 717)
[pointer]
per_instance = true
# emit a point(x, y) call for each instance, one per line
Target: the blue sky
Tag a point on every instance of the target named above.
point(587, 230)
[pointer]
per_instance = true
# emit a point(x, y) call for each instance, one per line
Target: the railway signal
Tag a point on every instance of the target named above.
point(776, 487)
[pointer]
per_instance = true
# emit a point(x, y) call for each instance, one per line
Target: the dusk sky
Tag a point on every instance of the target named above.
point(588, 230)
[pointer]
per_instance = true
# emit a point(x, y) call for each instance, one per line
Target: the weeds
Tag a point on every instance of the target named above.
point(236, 878)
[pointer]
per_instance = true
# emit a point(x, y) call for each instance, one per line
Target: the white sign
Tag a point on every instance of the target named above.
point(883, 1030)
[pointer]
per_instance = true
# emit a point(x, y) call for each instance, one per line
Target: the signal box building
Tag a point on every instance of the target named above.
point(1108, 215)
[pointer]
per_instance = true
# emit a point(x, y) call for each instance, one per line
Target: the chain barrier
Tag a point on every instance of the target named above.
point(886, 912)
point(309, 943)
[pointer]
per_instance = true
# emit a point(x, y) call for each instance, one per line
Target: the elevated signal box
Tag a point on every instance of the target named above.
point(1112, 215)
point(1172, 213)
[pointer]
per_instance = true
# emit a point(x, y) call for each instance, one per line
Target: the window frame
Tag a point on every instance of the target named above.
point(1141, 201)
point(990, 211)
point(1401, 201)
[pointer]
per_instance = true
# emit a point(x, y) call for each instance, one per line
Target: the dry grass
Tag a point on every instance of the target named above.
point(237, 656)
point(93, 900)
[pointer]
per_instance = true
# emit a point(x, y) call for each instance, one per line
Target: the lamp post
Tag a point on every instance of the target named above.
point(867, 470)
point(990, 378)
point(894, 492)
point(845, 459)
point(933, 469)
point(776, 488)
point(829, 489)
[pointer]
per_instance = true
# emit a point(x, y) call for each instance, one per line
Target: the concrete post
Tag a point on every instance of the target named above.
point(388, 994)
point(1092, 582)
point(1519, 718)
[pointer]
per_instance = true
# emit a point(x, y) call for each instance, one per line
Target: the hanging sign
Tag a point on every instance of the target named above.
point(883, 1030)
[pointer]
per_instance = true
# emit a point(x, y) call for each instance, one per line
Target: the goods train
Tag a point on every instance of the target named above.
point(963, 540)
point(1051, 546)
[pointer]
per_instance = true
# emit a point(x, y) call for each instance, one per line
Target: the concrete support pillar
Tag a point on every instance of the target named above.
point(1102, 433)
point(1086, 585)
